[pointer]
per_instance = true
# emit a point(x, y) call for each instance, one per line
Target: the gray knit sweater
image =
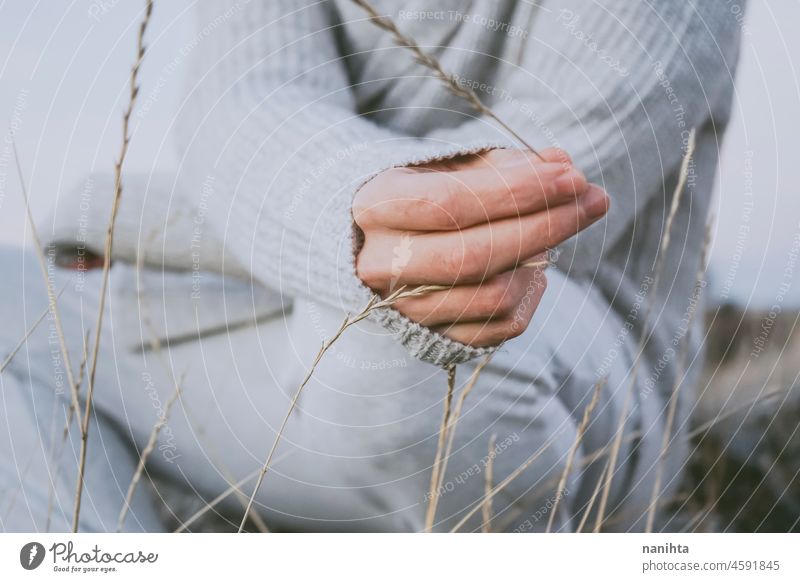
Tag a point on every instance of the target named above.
point(293, 104)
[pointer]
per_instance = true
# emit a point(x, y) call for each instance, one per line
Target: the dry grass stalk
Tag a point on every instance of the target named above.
point(645, 334)
point(751, 403)
point(28, 334)
point(148, 449)
point(486, 508)
point(452, 85)
point(156, 347)
point(605, 451)
point(134, 91)
point(65, 432)
point(562, 482)
point(592, 457)
point(432, 63)
point(216, 460)
point(235, 488)
point(74, 384)
point(450, 427)
point(374, 303)
point(471, 97)
point(51, 296)
point(503, 484)
point(456, 416)
point(430, 514)
point(258, 521)
point(699, 430)
point(588, 509)
point(673, 400)
point(78, 382)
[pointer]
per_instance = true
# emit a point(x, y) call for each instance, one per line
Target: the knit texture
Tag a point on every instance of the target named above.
point(293, 104)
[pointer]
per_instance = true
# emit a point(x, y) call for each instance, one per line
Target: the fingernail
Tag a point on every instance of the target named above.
point(595, 202)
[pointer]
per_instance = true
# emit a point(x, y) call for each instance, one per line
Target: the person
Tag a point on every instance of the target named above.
point(322, 165)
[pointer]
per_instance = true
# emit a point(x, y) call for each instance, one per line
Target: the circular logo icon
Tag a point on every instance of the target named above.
point(31, 555)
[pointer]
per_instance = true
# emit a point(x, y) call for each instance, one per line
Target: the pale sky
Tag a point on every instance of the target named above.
point(64, 73)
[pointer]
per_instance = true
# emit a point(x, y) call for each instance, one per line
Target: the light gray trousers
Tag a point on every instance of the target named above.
point(358, 450)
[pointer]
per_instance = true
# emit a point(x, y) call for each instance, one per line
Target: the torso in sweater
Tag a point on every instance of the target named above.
point(605, 80)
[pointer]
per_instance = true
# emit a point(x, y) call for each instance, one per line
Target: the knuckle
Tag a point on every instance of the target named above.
point(443, 213)
point(511, 293)
point(474, 262)
point(522, 309)
point(495, 298)
point(447, 199)
point(370, 192)
point(576, 182)
point(368, 270)
point(364, 216)
point(507, 304)
point(450, 261)
point(550, 188)
point(371, 197)
point(436, 200)
point(461, 262)
point(413, 208)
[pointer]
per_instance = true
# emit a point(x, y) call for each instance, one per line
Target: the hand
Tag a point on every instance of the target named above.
point(469, 224)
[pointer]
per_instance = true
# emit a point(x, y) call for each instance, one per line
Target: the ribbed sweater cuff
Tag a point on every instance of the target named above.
point(329, 244)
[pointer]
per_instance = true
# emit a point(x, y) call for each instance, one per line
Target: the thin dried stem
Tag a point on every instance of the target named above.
point(562, 483)
point(430, 514)
point(214, 457)
point(134, 91)
point(148, 449)
point(51, 296)
point(588, 509)
point(674, 396)
point(486, 508)
point(78, 382)
point(65, 433)
point(432, 63)
point(258, 521)
point(503, 484)
point(456, 416)
point(536, 264)
point(374, 303)
point(74, 384)
point(751, 403)
point(665, 239)
point(28, 334)
point(232, 489)
point(605, 451)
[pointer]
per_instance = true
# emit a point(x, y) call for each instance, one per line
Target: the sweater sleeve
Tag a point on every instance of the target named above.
point(271, 139)
point(618, 85)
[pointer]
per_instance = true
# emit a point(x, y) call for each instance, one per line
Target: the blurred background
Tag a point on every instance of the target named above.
point(63, 81)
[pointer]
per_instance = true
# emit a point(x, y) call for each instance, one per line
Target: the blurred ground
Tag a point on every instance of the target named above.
point(744, 472)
